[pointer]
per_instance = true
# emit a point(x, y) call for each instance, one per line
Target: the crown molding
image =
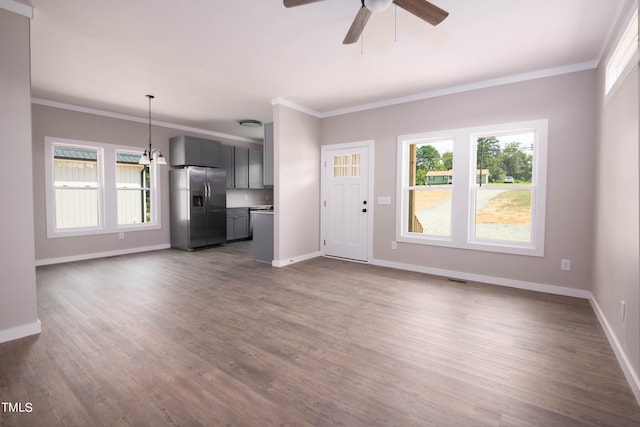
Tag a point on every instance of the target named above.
point(110, 114)
point(294, 106)
point(16, 7)
point(516, 78)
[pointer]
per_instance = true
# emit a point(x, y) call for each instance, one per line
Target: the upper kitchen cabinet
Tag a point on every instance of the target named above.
point(268, 156)
point(241, 167)
point(192, 151)
point(256, 179)
point(227, 159)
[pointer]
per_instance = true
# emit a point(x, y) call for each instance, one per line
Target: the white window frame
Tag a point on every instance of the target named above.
point(107, 195)
point(624, 57)
point(152, 206)
point(463, 188)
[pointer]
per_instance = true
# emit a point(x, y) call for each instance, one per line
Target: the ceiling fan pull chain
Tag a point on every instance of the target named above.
point(362, 36)
point(395, 23)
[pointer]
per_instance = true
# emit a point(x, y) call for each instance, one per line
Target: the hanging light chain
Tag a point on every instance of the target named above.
point(150, 98)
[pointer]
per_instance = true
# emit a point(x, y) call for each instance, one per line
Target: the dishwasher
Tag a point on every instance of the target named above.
point(253, 209)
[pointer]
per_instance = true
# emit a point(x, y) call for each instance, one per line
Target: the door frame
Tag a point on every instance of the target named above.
point(370, 146)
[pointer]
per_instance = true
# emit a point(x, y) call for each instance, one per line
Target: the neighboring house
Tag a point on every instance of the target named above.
point(439, 177)
point(446, 177)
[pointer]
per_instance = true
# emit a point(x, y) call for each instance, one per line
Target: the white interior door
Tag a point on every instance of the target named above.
point(346, 205)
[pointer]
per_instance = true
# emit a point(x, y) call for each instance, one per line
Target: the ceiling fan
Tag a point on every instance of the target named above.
point(420, 8)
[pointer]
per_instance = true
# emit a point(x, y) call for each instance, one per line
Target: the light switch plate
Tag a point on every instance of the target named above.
point(384, 200)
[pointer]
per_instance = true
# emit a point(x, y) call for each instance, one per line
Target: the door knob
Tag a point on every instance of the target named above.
point(364, 210)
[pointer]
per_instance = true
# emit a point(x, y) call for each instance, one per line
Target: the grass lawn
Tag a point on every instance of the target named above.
point(509, 207)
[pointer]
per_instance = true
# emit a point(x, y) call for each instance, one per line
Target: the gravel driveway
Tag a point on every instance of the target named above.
point(436, 220)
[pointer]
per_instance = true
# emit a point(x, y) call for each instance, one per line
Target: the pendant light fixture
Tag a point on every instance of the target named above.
point(151, 154)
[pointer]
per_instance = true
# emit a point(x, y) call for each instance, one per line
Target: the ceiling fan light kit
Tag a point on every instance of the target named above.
point(423, 9)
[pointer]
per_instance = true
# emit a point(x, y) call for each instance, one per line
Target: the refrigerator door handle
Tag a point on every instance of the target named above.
point(207, 197)
point(210, 201)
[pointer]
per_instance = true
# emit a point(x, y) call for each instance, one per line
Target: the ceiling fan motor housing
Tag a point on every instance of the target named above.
point(377, 5)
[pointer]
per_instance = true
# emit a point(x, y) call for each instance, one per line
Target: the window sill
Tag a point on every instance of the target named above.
point(497, 247)
point(102, 231)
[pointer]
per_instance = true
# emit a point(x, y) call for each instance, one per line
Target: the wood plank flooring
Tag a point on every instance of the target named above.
point(213, 338)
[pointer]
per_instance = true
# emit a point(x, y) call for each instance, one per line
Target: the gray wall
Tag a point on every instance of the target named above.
point(616, 274)
point(568, 101)
point(18, 310)
point(63, 123)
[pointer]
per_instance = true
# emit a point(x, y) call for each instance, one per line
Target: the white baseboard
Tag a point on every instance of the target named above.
point(20, 331)
point(500, 281)
point(623, 360)
point(94, 255)
point(285, 262)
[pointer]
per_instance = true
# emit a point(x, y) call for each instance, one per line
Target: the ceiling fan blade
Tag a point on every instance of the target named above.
point(293, 3)
point(358, 25)
point(424, 10)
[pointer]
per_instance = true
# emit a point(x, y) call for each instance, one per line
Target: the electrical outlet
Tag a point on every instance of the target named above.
point(394, 244)
point(121, 236)
point(565, 264)
point(623, 310)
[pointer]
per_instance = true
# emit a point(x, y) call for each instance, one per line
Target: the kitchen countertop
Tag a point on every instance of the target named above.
point(255, 207)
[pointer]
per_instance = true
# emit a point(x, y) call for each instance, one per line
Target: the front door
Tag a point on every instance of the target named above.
point(346, 204)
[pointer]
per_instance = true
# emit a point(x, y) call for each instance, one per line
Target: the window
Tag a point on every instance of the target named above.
point(133, 187)
point(77, 186)
point(95, 188)
point(621, 57)
point(346, 165)
point(502, 190)
point(474, 188)
point(430, 177)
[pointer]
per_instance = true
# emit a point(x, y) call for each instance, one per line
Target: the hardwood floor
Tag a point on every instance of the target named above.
point(210, 338)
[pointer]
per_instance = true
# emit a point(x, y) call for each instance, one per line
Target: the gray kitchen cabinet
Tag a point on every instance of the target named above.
point(192, 151)
point(267, 167)
point(256, 178)
point(227, 163)
point(244, 166)
point(237, 223)
point(241, 167)
point(263, 236)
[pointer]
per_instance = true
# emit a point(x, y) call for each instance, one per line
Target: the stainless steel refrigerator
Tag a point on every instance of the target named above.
point(198, 207)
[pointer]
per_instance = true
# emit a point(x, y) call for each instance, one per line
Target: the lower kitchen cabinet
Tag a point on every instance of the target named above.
point(263, 236)
point(237, 223)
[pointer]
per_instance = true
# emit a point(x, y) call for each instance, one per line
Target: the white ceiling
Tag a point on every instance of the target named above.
point(212, 62)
